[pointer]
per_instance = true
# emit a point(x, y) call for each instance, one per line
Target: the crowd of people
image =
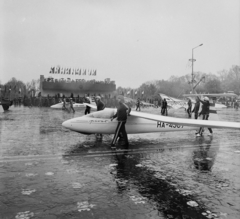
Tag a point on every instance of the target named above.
point(52, 100)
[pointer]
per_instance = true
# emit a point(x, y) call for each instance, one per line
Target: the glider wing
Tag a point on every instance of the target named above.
point(212, 95)
point(90, 105)
point(187, 122)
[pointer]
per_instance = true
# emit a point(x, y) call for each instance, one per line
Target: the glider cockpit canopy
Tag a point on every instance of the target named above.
point(102, 114)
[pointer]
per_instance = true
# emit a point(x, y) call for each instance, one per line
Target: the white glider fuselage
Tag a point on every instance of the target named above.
point(60, 105)
point(75, 105)
point(134, 125)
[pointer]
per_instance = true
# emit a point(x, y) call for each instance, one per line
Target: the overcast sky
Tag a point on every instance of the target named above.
point(129, 41)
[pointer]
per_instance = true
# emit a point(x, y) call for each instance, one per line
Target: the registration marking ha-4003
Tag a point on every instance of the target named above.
point(164, 125)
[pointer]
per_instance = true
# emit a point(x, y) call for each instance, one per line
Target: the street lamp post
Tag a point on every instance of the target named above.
point(193, 60)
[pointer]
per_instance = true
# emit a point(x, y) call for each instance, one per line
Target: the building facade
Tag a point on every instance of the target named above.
point(79, 87)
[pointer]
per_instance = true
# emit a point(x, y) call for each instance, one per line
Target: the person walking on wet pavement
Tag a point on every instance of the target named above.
point(196, 108)
point(100, 106)
point(164, 107)
point(99, 103)
point(88, 108)
point(189, 109)
point(138, 104)
point(71, 106)
point(122, 113)
point(205, 113)
point(64, 105)
point(236, 105)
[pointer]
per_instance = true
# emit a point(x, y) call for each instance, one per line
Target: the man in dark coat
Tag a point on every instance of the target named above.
point(100, 106)
point(88, 108)
point(196, 108)
point(164, 107)
point(205, 113)
point(71, 106)
point(138, 105)
point(99, 103)
point(189, 109)
point(122, 113)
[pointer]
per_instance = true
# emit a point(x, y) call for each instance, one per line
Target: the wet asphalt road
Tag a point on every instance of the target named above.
point(47, 171)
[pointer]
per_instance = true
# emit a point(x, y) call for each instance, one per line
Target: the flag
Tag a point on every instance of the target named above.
point(52, 70)
point(136, 92)
point(128, 92)
point(94, 73)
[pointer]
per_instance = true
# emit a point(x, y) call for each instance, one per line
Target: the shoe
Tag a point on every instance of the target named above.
point(198, 135)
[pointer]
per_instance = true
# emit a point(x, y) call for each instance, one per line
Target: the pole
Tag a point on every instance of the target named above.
point(192, 67)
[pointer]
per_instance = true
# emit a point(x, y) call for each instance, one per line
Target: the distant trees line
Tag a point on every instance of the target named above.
point(15, 88)
point(224, 81)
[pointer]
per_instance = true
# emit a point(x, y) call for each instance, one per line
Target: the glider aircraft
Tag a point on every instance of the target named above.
point(174, 102)
point(142, 103)
point(216, 105)
point(178, 103)
point(75, 105)
point(139, 122)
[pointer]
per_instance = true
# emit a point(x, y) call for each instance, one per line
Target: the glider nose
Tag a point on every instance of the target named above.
point(53, 106)
point(67, 124)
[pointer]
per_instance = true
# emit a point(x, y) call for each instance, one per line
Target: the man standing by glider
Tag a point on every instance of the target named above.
point(88, 108)
point(205, 114)
point(99, 103)
point(100, 106)
point(196, 108)
point(138, 105)
point(164, 107)
point(64, 104)
point(189, 110)
point(71, 106)
point(122, 113)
